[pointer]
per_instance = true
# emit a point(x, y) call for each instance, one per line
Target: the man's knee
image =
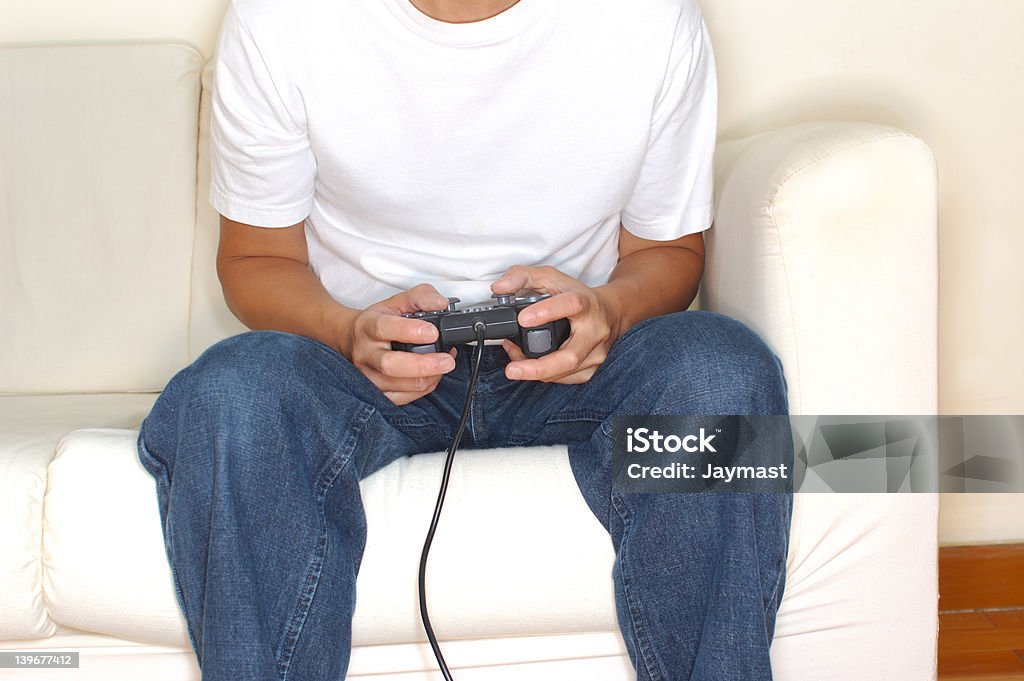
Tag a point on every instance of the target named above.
point(257, 371)
point(712, 363)
point(241, 385)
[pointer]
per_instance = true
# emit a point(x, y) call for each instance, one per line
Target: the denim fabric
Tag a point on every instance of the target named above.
point(258, 448)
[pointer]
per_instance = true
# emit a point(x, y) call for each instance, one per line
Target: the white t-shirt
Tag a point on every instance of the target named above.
point(422, 151)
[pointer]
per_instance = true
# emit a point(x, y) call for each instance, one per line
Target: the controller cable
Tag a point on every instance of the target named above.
point(480, 328)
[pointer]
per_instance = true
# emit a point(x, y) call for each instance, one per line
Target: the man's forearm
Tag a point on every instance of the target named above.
point(651, 282)
point(279, 294)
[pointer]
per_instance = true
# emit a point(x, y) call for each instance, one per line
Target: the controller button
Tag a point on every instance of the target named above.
point(423, 349)
point(538, 340)
point(527, 297)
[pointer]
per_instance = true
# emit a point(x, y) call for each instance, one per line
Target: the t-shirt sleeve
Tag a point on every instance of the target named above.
point(673, 196)
point(262, 168)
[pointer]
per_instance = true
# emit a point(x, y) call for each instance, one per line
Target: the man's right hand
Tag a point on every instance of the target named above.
point(402, 376)
point(268, 285)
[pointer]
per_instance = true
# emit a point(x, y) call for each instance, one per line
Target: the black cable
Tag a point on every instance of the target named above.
point(449, 460)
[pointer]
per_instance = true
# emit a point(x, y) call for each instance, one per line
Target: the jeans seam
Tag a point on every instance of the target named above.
point(179, 592)
point(296, 623)
point(645, 652)
point(574, 416)
point(159, 473)
point(759, 577)
point(780, 579)
point(519, 439)
point(402, 421)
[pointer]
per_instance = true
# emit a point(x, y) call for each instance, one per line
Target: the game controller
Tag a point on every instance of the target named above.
point(458, 325)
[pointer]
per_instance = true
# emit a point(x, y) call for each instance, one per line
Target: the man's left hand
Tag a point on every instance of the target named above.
point(595, 318)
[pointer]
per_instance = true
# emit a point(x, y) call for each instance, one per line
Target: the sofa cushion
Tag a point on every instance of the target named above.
point(30, 427)
point(97, 209)
point(517, 552)
point(104, 567)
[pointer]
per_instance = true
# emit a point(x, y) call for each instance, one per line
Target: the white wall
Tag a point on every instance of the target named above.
point(980, 518)
point(951, 71)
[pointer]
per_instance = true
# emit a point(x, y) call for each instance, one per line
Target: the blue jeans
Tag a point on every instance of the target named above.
point(258, 448)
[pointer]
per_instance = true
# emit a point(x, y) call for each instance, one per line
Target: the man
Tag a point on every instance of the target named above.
point(361, 147)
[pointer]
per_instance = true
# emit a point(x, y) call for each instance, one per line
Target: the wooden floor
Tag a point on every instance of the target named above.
point(981, 613)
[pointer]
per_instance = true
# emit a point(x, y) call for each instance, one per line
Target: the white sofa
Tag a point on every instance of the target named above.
point(825, 243)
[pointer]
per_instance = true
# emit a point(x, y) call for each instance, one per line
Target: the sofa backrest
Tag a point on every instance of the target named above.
point(105, 283)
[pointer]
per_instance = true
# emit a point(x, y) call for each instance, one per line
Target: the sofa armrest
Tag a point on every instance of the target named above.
point(825, 243)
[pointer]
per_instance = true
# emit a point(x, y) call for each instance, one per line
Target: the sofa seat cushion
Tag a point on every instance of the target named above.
point(517, 552)
point(30, 428)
